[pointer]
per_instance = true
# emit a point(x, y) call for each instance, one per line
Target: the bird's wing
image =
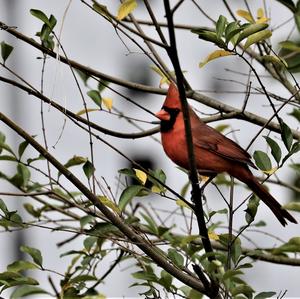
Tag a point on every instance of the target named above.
point(209, 139)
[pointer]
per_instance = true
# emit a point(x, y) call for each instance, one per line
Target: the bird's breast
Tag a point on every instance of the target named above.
point(174, 145)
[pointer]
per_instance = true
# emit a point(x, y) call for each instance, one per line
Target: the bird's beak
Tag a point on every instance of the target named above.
point(163, 115)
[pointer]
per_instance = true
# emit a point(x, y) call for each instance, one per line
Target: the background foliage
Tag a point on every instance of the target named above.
point(115, 221)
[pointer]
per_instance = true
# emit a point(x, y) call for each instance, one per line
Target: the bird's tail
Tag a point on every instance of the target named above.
point(281, 214)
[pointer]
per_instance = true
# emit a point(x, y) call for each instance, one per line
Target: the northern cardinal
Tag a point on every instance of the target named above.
point(214, 153)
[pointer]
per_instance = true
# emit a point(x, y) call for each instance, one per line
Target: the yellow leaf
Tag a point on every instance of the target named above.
point(203, 178)
point(270, 171)
point(108, 103)
point(214, 55)
point(83, 111)
point(110, 204)
point(155, 189)
point(261, 18)
point(186, 240)
point(141, 175)
point(245, 14)
point(213, 236)
point(163, 79)
point(260, 13)
point(182, 204)
point(126, 8)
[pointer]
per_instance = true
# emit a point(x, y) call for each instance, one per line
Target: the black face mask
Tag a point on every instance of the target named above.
point(167, 125)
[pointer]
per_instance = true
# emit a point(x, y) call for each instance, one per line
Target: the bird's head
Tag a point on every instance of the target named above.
point(170, 109)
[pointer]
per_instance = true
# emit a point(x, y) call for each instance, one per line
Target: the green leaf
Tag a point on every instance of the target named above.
point(151, 225)
point(292, 206)
point(8, 158)
point(96, 97)
point(293, 245)
point(22, 147)
point(286, 135)
point(6, 50)
point(209, 36)
point(7, 148)
point(280, 62)
point(262, 161)
point(250, 30)
point(231, 32)
point(220, 26)
point(289, 45)
point(289, 4)
point(128, 194)
point(275, 148)
point(2, 138)
point(176, 257)
point(296, 114)
point(242, 289)
point(81, 278)
point(194, 294)
point(41, 16)
point(103, 229)
point(22, 177)
point(26, 290)
point(265, 295)
point(295, 148)
point(161, 176)
point(18, 266)
point(31, 210)
point(75, 160)
point(88, 169)
point(165, 279)
point(4, 146)
point(84, 76)
point(101, 9)
point(230, 273)
point(10, 279)
point(296, 167)
point(236, 248)
point(3, 207)
point(257, 37)
point(251, 210)
point(145, 276)
point(102, 85)
point(52, 21)
point(34, 253)
point(89, 242)
point(88, 219)
point(24, 172)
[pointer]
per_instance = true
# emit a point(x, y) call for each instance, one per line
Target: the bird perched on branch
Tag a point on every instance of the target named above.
point(214, 153)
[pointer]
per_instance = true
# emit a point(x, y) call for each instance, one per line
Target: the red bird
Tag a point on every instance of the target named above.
point(214, 153)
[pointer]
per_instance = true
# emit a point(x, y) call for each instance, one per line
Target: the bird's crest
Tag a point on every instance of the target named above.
point(172, 100)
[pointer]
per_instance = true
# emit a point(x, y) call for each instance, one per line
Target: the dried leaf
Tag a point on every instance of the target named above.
point(214, 55)
point(126, 8)
point(108, 103)
point(141, 175)
point(245, 14)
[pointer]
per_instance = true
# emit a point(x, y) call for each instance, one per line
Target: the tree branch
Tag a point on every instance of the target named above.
point(208, 101)
point(141, 242)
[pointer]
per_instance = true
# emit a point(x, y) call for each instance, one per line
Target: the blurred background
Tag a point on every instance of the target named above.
point(91, 41)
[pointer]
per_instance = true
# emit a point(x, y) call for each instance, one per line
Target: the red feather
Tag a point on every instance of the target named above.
point(214, 153)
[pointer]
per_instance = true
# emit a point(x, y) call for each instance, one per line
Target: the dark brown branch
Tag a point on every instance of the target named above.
point(193, 173)
point(208, 101)
point(77, 117)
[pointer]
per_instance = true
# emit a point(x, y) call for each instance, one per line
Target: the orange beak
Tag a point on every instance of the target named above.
point(163, 115)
